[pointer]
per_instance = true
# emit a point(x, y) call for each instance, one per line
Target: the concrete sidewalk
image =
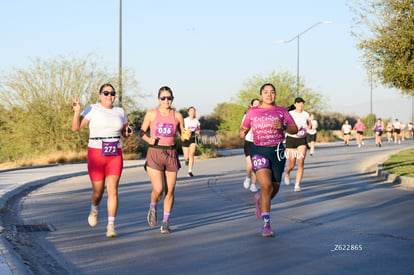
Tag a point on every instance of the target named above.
point(15, 181)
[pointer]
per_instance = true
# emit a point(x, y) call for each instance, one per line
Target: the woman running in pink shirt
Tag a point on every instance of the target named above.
point(359, 127)
point(267, 153)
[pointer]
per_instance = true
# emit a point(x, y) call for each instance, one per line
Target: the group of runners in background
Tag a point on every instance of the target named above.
point(395, 131)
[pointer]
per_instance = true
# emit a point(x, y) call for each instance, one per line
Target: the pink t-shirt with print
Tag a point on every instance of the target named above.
point(261, 120)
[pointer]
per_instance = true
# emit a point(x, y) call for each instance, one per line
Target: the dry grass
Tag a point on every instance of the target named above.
point(54, 158)
point(51, 158)
point(230, 140)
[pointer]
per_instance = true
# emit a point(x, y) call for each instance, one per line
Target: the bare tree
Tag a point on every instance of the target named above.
point(36, 103)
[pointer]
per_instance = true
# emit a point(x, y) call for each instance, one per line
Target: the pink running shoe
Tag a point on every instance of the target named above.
point(267, 231)
point(257, 211)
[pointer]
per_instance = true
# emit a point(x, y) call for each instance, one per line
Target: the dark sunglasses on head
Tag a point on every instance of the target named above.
point(166, 98)
point(106, 93)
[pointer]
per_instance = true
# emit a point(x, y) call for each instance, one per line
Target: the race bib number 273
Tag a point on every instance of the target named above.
point(109, 148)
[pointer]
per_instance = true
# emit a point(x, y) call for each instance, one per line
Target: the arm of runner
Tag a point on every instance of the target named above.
point(78, 121)
point(292, 129)
point(180, 127)
point(144, 128)
point(243, 131)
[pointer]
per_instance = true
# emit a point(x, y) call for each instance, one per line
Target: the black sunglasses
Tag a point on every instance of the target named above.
point(166, 98)
point(106, 93)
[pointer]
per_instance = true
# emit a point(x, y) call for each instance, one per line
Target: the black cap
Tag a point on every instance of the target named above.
point(299, 99)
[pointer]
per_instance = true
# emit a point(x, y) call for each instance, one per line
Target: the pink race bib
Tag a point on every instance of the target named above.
point(165, 130)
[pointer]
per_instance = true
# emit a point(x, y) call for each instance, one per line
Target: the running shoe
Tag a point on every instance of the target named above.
point(287, 178)
point(258, 211)
point(297, 188)
point(253, 188)
point(93, 218)
point(190, 174)
point(267, 231)
point(110, 231)
point(165, 228)
point(152, 217)
point(246, 183)
point(186, 163)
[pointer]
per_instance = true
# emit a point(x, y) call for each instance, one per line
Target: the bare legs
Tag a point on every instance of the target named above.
point(312, 147)
point(359, 139)
point(296, 156)
point(112, 189)
point(98, 187)
point(268, 188)
point(159, 188)
point(346, 140)
point(189, 153)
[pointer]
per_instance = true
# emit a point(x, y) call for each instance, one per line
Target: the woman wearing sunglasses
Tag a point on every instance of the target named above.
point(106, 125)
point(162, 162)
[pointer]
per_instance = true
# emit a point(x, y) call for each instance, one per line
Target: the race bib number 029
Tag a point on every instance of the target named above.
point(109, 148)
point(165, 130)
point(259, 162)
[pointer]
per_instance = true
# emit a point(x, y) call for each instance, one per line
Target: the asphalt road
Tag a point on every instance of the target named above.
point(343, 222)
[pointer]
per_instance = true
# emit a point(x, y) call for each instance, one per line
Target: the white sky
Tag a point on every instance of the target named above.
point(203, 50)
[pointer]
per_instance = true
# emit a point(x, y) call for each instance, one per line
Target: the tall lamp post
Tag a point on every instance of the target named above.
point(370, 102)
point(298, 38)
point(412, 108)
point(120, 55)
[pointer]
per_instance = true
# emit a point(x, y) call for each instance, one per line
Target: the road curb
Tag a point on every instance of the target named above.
point(33, 184)
point(403, 181)
point(10, 262)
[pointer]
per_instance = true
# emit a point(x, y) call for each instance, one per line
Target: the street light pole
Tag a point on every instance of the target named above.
point(120, 55)
point(370, 104)
point(297, 68)
point(412, 108)
point(298, 39)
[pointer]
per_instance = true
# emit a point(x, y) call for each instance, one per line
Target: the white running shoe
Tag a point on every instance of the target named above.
point(253, 188)
point(297, 187)
point(110, 231)
point(287, 179)
point(246, 183)
point(93, 218)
